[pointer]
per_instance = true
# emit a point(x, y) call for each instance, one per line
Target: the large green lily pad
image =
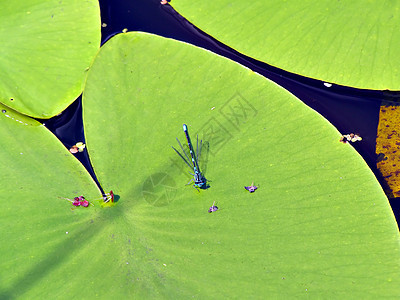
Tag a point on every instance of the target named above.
point(352, 43)
point(319, 225)
point(46, 49)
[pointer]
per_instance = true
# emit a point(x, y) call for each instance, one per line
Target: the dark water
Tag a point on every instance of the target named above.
point(348, 109)
point(68, 128)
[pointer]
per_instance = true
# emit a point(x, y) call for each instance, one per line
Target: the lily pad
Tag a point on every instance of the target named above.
point(46, 49)
point(39, 233)
point(344, 42)
point(319, 224)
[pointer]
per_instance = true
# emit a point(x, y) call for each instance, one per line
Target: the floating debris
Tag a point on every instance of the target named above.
point(350, 138)
point(163, 2)
point(213, 208)
point(106, 200)
point(73, 149)
point(81, 146)
point(78, 147)
point(78, 201)
point(252, 188)
point(327, 84)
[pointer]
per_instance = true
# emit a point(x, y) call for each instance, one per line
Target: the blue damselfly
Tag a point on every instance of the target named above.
point(199, 180)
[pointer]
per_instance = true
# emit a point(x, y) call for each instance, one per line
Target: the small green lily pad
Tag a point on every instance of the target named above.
point(46, 50)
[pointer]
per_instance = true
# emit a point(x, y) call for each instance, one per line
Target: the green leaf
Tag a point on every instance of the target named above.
point(46, 49)
point(350, 43)
point(319, 225)
point(36, 170)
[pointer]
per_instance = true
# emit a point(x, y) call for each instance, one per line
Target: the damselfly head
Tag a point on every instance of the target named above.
point(199, 184)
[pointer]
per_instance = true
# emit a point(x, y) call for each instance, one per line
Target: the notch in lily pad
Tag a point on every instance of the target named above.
point(108, 199)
